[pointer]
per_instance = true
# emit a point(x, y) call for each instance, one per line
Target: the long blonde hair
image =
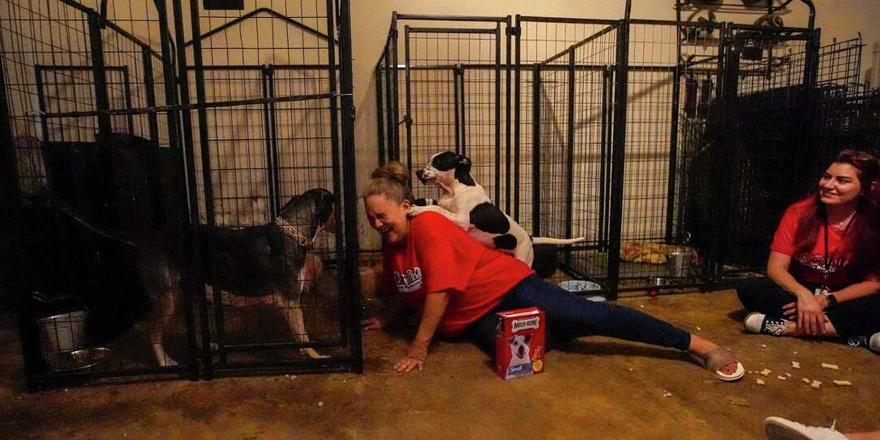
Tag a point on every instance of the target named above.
point(392, 181)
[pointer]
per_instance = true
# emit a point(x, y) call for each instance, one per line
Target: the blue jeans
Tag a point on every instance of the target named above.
point(571, 316)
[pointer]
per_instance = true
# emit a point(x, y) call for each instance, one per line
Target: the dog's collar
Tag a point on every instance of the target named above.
point(291, 230)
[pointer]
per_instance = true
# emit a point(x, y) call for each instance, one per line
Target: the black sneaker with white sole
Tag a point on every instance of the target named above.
point(757, 322)
point(871, 342)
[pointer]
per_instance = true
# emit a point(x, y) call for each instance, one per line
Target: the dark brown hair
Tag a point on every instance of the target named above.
point(866, 229)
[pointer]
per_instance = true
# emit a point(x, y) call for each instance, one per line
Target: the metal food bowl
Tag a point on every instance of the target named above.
point(581, 286)
point(660, 284)
point(81, 359)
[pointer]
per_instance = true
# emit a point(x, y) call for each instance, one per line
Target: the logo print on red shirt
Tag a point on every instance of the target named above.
point(409, 281)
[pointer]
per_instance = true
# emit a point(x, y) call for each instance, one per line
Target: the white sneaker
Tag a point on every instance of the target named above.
point(778, 428)
point(874, 342)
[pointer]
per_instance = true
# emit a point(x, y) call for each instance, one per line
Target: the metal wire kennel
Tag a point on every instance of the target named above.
point(110, 130)
point(645, 136)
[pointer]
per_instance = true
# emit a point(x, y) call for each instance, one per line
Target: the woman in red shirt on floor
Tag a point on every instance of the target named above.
point(823, 274)
point(456, 286)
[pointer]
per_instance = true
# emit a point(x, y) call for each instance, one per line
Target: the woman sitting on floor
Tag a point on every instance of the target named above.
point(824, 266)
point(457, 285)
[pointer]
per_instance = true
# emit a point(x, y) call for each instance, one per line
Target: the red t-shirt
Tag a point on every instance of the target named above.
point(810, 266)
point(438, 256)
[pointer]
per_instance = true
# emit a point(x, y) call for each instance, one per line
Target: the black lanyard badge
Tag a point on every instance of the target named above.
point(829, 257)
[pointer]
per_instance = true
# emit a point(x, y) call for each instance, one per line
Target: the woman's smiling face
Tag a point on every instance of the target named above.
point(388, 217)
point(840, 185)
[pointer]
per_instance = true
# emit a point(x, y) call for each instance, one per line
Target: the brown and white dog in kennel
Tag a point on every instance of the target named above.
point(272, 261)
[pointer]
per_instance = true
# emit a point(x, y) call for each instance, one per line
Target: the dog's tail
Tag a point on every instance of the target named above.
point(67, 209)
point(549, 240)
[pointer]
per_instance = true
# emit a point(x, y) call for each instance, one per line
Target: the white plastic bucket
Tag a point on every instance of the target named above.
point(61, 334)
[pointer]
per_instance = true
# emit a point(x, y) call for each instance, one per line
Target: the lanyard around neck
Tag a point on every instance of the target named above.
point(828, 258)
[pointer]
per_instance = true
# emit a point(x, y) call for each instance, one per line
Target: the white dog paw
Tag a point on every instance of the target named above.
point(312, 353)
point(162, 358)
point(167, 362)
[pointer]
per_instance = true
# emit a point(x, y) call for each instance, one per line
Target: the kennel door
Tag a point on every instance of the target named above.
point(453, 101)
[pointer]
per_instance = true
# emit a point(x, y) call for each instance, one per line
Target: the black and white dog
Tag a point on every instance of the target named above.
point(466, 203)
point(272, 261)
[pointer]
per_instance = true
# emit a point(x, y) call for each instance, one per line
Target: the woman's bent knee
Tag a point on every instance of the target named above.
point(751, 290)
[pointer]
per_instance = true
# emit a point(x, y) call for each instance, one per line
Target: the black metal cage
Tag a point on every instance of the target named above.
point(671, 146)
point(140, 158)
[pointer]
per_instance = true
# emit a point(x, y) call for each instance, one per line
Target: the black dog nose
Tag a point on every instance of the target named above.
point(421, 175)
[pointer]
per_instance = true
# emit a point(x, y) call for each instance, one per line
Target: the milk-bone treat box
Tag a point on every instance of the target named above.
point(520, 342)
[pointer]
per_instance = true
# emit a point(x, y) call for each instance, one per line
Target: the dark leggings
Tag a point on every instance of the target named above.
point(571, 316)
point(859, 317)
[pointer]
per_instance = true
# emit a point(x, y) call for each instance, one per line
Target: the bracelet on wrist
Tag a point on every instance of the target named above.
point(832, 300)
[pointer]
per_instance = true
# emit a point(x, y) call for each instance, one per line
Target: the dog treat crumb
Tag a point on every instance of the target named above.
point(292, 377)
point(830, 366)
point(763, 345)
point(816, 384)
point(320, 404)
point(806, 380)
point(759, 382)
point(788, 374)
point(738, 401)
point(667, 394)
point(641, 306)
point(796, 365)
point(795, 353)
point(631, 369)
point(750, 371)
point(699, 329)
point(766, 372)
point(781, 377)
point(842, 383)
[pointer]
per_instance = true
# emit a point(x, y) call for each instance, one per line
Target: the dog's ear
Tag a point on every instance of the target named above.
point(463, 163)
point(528, 338)
point(510, 340)
point(323, 205)
point(463, 170)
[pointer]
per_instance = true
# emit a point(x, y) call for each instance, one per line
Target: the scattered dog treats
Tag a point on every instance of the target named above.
point(320, 404)
point(842, 383)
point(699, 329)
point(667, 394)
point(829, 366)
point(806, 380)
point(766, 372)
point(759, 382)
point(788, 374)
point(631, 369)
point(781, 377)
point(795, 353)
point(796, 365)
point(738, 401)
point(816, 384)
point(763, 345)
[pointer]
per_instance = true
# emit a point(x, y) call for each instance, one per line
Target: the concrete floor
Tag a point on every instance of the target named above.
point(595, 388)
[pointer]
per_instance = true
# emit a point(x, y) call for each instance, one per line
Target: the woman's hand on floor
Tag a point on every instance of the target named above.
point(415, 358)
